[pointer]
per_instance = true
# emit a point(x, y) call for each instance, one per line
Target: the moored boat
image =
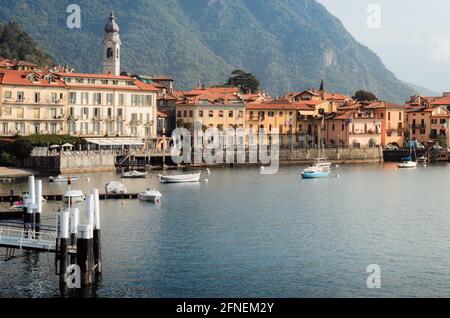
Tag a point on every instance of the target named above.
point(61, 178)
point(315, 172)
point(181, 178)
point(408, 165)
point(73, 196)
point(134, 174)
point(150, 195)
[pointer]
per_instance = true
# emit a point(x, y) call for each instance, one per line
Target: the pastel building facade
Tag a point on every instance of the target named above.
point(32, 103)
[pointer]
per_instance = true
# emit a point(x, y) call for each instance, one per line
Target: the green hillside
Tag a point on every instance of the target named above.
point(288, 44)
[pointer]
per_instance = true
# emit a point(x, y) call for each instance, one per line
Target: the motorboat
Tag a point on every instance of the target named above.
point(115, 187)
point(134, 174)
point(61, 178)
point(408, 165)
point(73, 197)
point(150, 195)
point(315, 172)
point(181, 178)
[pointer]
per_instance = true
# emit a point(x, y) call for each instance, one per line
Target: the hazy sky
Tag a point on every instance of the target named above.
point(413, 39)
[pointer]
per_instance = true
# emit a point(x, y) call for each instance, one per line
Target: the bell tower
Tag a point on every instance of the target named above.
point(111, 47)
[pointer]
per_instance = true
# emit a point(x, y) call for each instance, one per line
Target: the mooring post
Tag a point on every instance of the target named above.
point(63, 254)
point(97, 236)
point(74, 220)
point(85, 259)
point(38, 205)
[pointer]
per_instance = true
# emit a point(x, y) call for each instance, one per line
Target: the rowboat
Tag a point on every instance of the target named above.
point(134, 174)
point(181, 178)
point(61, 178)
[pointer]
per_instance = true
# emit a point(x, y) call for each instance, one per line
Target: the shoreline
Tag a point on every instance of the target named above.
point(6, 172)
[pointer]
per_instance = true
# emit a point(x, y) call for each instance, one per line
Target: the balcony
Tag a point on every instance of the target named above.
point(28, 101)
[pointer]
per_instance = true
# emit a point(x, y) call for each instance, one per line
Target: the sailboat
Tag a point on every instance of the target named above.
point(321, 167)
point(409, 163)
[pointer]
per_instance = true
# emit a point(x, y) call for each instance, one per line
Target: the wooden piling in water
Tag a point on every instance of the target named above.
point(97, 236)
point(85, 259)
point(63, 239)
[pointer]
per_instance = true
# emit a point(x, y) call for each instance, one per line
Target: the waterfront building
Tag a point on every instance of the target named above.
point(428, 124)
point(333, 100)
point(59, 101)
point(294, 120)
point(109, 105)
point(392, 118)
point(32, 103)
point(357, 128)
point(212, 107)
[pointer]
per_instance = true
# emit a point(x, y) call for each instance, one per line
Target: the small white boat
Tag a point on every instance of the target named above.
point(73, 196)
point(150, 195)
point(115, 187)
point(181, 178)
point(134, 174)
point(61, 178)
point(7, 180)
point(408, 165)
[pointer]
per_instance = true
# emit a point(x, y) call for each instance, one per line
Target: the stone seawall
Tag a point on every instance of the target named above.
point(343, 155)
point(106, 162)
point(72, 163)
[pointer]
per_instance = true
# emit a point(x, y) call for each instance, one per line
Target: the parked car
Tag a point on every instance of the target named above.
point(391, 147)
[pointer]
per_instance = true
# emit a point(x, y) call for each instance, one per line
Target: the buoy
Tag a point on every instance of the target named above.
point(337, 166)
point(262, 168)
point(208, 171)
point(206, 180)
point(338, 176)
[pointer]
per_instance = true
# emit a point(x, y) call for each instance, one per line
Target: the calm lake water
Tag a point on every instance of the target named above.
point(248, 235)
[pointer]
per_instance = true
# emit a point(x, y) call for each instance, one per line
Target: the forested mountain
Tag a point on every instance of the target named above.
point(16, 44)
point(288, 44)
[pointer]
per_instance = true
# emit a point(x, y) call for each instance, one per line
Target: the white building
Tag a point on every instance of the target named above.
point(85, 105)
point(108, 105)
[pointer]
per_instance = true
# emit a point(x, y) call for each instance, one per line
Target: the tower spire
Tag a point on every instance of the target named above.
point(111, 47)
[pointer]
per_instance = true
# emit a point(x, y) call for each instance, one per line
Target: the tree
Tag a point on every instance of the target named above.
point(247, 82)
point(363, 96)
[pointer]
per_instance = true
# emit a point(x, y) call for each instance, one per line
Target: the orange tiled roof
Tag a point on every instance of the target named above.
point(11, 77)
point(96, 76)
point(284, 104)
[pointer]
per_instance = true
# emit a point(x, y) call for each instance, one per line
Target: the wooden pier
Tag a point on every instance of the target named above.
point(76, 245)
point(59, 197)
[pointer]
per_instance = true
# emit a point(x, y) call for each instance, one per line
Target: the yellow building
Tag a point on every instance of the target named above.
point(211, 107)
point(32, 103)
point(294, 120)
